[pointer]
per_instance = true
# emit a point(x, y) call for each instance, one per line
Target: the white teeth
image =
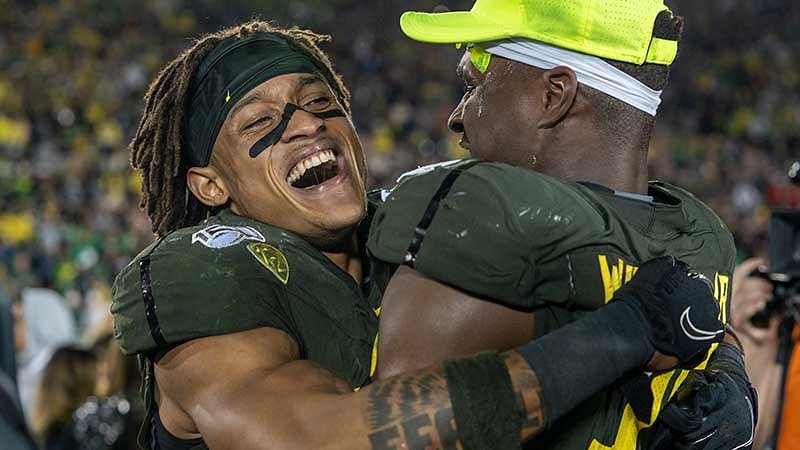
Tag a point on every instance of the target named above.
point(314, 160)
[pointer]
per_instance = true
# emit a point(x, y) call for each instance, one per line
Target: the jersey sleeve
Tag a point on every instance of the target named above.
point(178, 290)
point(483, 227)
point(719, 268)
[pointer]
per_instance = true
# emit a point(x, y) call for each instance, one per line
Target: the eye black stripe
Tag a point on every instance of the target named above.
point(275, 135)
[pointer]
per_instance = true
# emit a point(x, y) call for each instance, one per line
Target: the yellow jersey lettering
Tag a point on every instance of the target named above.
point(629, 427)
point(614, 275)
point(721, 287)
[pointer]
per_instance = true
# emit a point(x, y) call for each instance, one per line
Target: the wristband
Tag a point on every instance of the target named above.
point(484, 402)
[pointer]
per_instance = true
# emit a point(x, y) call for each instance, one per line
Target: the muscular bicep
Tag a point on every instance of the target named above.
point(424, 322)
point(250, 390)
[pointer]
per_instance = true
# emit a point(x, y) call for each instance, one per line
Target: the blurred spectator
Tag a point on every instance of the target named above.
point(13, 430)
point(10, 314)
point(110, 419)
point(47, 324)
point(66, 382)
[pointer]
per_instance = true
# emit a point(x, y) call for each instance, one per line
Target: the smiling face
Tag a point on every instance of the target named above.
point(310, 181)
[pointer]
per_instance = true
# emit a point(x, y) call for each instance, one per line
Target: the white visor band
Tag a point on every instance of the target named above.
point(590, 70)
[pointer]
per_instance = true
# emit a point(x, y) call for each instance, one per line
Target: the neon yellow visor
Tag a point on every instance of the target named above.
point(620, 30)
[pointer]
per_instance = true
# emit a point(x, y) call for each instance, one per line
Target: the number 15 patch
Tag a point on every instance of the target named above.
point(271, 258)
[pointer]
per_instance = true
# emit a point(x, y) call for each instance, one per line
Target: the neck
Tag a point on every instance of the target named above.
point(617, 161)
point(347, 257)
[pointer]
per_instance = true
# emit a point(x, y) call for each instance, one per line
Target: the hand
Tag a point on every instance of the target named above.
point(714, 409)
point(680, 309)
point(750, 295)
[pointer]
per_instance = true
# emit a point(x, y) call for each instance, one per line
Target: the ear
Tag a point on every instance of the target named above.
point(560, 89)
point(206, 184)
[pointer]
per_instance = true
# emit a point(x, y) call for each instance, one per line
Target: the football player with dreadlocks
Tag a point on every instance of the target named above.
point(253, 309)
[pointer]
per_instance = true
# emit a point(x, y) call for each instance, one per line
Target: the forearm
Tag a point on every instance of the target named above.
point(759, 360)
point(305, 409)
point(491, 400)
point(546, 377)
point(769, 391)
point(765, 374)
point(415, 410)
point(485, 401)
point(291, 403)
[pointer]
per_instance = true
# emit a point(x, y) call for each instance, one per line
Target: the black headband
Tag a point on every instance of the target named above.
point(232, 69)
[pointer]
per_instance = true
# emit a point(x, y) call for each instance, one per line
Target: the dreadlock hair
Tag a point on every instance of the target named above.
point(156, 150)
point(618, 116)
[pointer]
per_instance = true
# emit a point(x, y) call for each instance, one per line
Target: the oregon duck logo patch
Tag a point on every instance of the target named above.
point(221, 236)
point(271, 258)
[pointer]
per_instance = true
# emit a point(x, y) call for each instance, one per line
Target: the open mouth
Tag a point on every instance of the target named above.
point(314, 170)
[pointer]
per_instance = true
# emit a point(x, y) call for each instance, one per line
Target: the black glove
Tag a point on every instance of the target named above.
point(679, 307)
point(714, 409)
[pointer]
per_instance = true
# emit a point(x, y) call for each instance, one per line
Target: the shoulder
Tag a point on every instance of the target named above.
point(480, 225)
point(502, 184)
point(704, 217)
point(472, 172)
point(214, 255)
point(228, 274)
point(692, 204)
point(486, 200)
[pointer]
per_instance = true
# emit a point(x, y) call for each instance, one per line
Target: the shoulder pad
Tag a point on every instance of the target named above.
point(695, 208)
point(220, 277)
point(429, 168)
point(481, 226)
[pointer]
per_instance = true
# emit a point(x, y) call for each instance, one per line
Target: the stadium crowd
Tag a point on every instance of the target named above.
point(73, 73)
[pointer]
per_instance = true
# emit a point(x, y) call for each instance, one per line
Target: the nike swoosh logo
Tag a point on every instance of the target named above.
point(694, 333)
point(752, 428)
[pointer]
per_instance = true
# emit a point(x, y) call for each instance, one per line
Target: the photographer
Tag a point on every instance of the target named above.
point(766, 368)
point(750, 295)
point(765, 311)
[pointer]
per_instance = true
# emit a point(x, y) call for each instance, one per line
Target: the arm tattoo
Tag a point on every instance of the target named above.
point(413, 411)
point(529, 395)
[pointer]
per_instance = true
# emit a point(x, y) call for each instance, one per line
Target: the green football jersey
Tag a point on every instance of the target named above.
point(560, 248)
point(233, 274)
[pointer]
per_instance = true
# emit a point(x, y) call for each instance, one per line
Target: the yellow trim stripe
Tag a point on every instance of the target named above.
point(374, 361)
